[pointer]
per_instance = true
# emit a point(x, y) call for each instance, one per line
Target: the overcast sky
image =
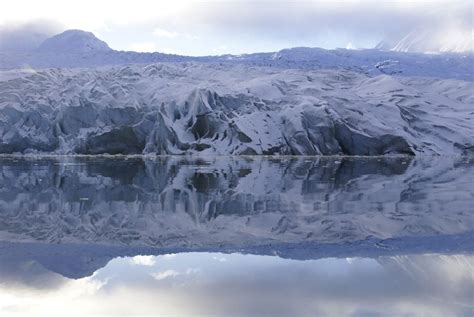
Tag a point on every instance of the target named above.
point(218, 27)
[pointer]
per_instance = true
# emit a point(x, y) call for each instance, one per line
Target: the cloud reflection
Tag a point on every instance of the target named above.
point(248, 285)
point(145, 260)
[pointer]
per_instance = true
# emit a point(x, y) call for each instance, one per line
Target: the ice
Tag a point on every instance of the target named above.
point(232, 109)
point(298, 101)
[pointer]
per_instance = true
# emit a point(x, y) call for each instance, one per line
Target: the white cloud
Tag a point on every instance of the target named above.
point(90, 15)
point(165, 274)
point(150, 47)
point(220, 259)
point(350, 46)
point(220, 49)
point(190, 271)
point(165, 33)
point(252, 25)
point(145, 260)
point(25, 37)
point(191, 36)
point(147, 47)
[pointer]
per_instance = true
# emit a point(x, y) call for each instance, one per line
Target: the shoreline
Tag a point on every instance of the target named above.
point(194, 156)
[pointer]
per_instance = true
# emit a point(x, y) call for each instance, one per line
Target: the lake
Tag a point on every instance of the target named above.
point(237, 236)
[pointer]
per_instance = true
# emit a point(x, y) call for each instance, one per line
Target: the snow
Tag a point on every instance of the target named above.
point(298, 101)
point(75, 48)
point(73, 41)
point(232, 109)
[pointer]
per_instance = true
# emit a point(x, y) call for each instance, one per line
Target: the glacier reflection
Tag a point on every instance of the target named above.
point(182, 202)
point(217, 284)
point(236, 236)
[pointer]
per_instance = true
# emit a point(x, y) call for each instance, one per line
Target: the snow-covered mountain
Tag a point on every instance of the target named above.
point(299, 101)
point(222, 109)
point(73, 41)
point(75, 48)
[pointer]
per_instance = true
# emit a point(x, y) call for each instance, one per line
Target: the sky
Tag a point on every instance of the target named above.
point(218, 284)
point(219, 27)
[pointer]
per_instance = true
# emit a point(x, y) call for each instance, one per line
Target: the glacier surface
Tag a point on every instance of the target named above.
point(232, 109)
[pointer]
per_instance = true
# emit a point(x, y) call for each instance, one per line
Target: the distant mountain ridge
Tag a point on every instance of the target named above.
point(79, 49)
point(73, 41)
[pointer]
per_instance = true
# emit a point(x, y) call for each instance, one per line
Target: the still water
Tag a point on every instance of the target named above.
point(176, 236)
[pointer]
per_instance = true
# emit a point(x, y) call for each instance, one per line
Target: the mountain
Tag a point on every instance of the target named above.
point(73, 41)
point(75, 48)
point(299, 101)
point(233, 109)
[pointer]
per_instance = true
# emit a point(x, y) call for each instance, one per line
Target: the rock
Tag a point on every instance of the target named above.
point(122, 140)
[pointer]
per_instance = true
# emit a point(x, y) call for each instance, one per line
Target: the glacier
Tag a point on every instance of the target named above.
point(232, 109)
point(302, 154)
point(75, 95)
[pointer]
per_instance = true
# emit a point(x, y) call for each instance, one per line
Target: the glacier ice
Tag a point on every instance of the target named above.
point(232, 109)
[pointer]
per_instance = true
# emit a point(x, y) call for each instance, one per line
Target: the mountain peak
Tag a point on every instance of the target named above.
point(73, 41)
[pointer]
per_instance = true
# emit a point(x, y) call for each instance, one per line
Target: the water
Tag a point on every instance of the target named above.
point(237, 236)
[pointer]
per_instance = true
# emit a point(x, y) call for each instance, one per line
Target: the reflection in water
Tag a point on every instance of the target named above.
point(171, 202)
point(248, 285)
point(379, 236)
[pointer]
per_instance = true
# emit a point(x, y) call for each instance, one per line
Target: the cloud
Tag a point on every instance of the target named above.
point(165, 274)
point(221, 49)
point(318, 21)
point(24, 37)
point(164, 33)
point(145, 260)
point(143, 47)
point(268, 25)
point(220, 259)
point(248, 26)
